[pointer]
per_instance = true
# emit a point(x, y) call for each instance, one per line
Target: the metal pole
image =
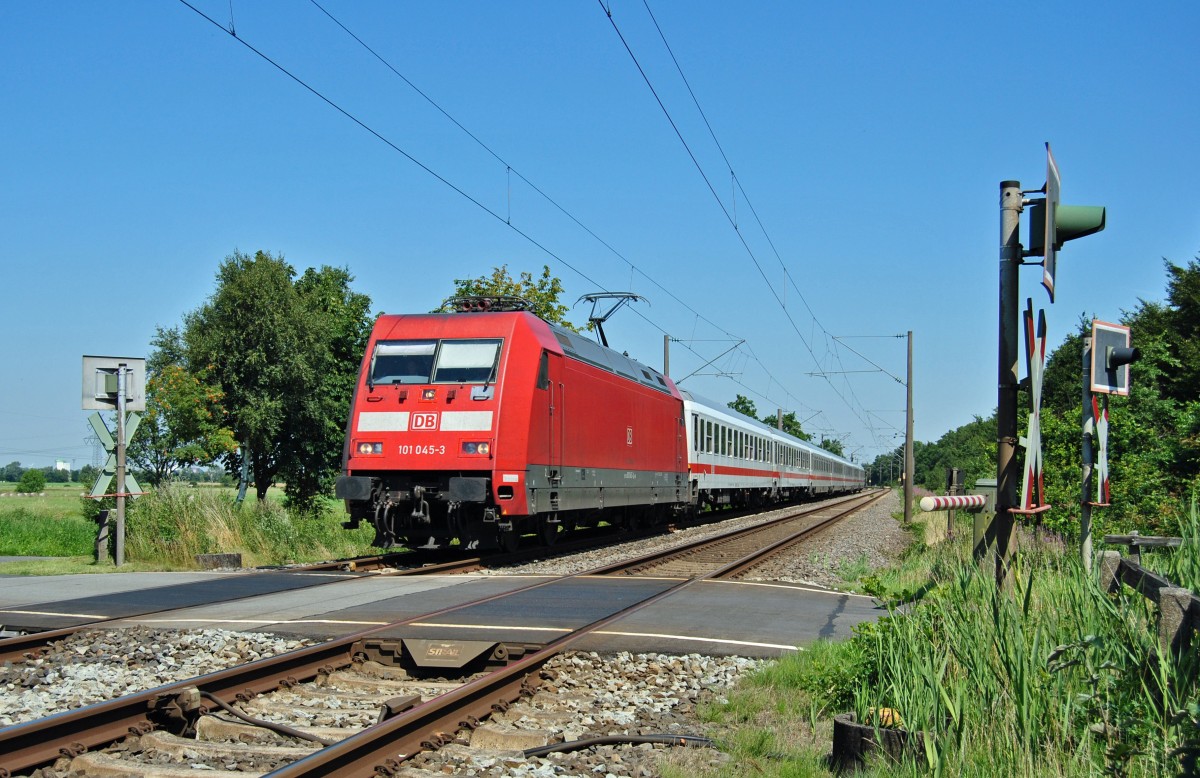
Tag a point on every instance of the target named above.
point(1000, 537)
point(1089, 459)
point(122, 371)
point(666, 355)
point(908, 441)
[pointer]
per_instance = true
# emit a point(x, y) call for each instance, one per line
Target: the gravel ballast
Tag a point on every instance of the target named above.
point(584, 695)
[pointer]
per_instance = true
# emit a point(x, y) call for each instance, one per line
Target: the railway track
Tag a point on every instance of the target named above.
point(406, 563)
point(19, 648)
point(756, 544)
point(408, 720)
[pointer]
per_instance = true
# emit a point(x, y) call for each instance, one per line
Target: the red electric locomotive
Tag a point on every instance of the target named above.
point(490, 423)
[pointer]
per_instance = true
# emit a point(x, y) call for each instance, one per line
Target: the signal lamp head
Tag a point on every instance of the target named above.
point(476, 448)
point(369, 448)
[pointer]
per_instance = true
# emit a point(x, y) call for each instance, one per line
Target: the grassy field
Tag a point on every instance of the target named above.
point(48, 524)
point(165, 530)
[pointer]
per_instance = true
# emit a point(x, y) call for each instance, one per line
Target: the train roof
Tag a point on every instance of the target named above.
point(587, 350)
point(573, 344)
point(724, 410)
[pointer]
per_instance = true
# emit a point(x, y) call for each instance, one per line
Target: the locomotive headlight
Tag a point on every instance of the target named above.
point(474, 448)
point(370, 448)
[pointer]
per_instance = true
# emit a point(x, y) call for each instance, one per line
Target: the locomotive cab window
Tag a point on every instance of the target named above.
point(467, 361)
point(402, 361)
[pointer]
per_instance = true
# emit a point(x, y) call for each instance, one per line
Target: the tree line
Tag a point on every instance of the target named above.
point(1153, 437)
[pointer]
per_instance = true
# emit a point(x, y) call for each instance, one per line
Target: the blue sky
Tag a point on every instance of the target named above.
point(141, 145)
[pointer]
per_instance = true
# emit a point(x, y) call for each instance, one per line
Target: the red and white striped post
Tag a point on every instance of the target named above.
point(961, 501)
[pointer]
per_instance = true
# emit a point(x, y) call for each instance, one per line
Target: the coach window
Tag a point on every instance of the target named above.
point(543, 376)
point(467, 361)
point(402, 361)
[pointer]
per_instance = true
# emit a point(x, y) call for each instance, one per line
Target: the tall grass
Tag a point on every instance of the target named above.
point(1182, 565)
point(173, 524)
point(1052, 676)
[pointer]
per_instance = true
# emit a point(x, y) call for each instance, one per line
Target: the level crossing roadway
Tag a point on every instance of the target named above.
point(747, 618)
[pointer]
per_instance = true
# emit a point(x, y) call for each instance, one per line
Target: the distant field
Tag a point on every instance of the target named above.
point(47, 524)
point(166, 530)
point(57, 500)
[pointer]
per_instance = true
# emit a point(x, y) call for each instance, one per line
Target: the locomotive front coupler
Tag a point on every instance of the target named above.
point(420, 506)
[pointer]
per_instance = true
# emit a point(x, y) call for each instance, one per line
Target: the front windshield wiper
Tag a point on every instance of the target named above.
point(492, 373)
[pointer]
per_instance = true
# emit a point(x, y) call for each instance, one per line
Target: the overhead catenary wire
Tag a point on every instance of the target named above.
point(746, 198)
point(510, 171)
point(423, 166)
point(475, 201)
point(726, 211)
point(513, 171)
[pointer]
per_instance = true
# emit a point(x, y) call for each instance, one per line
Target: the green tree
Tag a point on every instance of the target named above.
point(182, 425)
point(88, 475)
point(340, 322)
point(971, 448)
point(13, 471)
point(791, 425)
point(283, 354)
point(833, 446)
point(543, 293)
point(32, 481)
point(744, 406)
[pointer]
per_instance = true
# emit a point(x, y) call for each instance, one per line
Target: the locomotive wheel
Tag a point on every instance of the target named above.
point(508, 540)
point(427, 541)
point(416, 541)
point(548, 532)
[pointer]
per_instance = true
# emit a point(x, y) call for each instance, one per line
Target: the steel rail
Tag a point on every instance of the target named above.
point(381, 750)
point(23, 647)
point(26, 746)
point(782, 545)
point(656, 557)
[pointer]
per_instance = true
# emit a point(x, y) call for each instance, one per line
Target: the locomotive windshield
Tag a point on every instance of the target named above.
point(466, 362)
point(431, 361)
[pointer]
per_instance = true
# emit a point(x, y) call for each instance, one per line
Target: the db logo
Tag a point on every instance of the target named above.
point(425, 421)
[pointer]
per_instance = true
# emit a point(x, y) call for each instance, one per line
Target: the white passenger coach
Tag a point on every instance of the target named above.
point(738, 461)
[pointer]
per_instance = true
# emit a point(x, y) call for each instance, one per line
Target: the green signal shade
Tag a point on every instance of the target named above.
point(1070, 222)
point(1076, 221)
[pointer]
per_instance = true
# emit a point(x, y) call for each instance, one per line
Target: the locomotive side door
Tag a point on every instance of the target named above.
point(550, 378)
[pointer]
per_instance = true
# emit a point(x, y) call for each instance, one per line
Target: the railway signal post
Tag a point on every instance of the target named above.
point(114, 383)
point(1106, 359)
point(1051, 224)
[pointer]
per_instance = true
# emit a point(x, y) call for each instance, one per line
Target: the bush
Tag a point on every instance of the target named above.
point(32, 482)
